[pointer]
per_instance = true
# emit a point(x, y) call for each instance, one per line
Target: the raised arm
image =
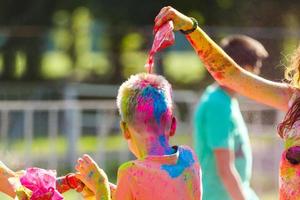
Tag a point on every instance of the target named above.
point(224, 70)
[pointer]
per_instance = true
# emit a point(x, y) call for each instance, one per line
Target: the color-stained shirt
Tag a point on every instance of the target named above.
point(218, 124)
point(176, 176)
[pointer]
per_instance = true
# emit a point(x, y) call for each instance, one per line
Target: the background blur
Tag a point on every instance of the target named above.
point(61, 62)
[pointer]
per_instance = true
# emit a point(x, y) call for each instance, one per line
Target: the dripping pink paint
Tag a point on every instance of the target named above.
point(164, 37)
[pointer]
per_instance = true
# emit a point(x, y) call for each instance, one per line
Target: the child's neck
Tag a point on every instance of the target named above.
point(158, 146)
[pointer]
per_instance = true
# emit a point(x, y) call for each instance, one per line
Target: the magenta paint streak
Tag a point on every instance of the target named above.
point(152, 102)
point(145, 107)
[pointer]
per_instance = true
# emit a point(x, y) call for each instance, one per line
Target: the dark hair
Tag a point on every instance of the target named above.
point(292, 115)
point(292, 76)
point(243, 50)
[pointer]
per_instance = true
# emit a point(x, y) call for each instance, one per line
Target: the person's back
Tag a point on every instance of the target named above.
point(174, 176)
point(221, 137)
point(161, 171)
point(219, 124)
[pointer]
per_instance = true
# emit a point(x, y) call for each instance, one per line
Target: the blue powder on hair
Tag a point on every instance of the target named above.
point(185, 160)
point(159, 102)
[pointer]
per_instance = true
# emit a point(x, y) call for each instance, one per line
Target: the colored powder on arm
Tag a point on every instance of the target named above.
point(163, 38)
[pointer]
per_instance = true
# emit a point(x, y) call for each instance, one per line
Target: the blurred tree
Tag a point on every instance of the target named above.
point(122, 17)
point(25, 24)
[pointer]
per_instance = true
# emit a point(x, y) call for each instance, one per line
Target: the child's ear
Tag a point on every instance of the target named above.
point(173, 126)
point(125, 130)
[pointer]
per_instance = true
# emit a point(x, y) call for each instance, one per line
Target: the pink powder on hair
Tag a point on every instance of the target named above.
point(163, 38)
point(145, 108)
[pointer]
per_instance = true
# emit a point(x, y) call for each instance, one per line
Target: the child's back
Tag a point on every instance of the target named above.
point(161, 171)
point(175, 176)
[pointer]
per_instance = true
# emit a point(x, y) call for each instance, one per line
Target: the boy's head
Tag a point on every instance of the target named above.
point(145, 102)
point(245, 51)
point(146, 108)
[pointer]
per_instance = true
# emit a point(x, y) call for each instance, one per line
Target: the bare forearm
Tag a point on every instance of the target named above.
point(233, 185)
point(228, 173)
point(222, 67)
point(217, 62)
point(7, 189)
point(228, 73)
point(5, 186)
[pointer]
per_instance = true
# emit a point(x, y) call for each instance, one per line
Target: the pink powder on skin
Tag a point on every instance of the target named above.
point(163, 38)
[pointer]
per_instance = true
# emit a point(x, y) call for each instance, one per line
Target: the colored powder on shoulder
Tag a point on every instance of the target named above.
point(127, 165)
point(185, 160)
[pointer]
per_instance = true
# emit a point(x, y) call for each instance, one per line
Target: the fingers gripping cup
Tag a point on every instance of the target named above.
point(68, 182)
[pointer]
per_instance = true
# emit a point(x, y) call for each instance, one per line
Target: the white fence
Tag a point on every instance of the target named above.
point(69, 113)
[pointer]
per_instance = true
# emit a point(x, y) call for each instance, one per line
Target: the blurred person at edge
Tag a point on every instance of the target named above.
point(221, 137)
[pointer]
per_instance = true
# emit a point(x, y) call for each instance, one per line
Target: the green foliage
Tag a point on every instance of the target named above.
point(132, 59)
point(184, 67)
point(132, 42)
point(225, 4)
point(133, 62)
point(74, 34)
point(20, 64)
point(56, 64)
point(96, 63)
point(1, 63)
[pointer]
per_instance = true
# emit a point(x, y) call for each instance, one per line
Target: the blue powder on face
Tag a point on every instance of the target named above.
point(159, 103)
point(185, 160)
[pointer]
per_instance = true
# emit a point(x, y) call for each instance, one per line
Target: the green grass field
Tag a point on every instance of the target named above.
point(71, 195)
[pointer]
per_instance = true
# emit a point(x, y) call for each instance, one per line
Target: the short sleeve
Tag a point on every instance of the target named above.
point(124, 183)
point(219, 126)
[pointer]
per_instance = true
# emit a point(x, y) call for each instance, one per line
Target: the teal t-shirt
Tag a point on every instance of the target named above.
point(219, 124)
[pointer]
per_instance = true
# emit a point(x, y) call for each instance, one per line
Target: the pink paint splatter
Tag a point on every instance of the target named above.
point(144, 108)
point(42, 183)
point(163, 38)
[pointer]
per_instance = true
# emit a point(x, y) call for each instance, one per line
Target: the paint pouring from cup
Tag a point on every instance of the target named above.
point(163, 38)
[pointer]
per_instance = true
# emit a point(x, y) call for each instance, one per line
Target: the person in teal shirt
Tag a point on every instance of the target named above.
point(221, 137)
